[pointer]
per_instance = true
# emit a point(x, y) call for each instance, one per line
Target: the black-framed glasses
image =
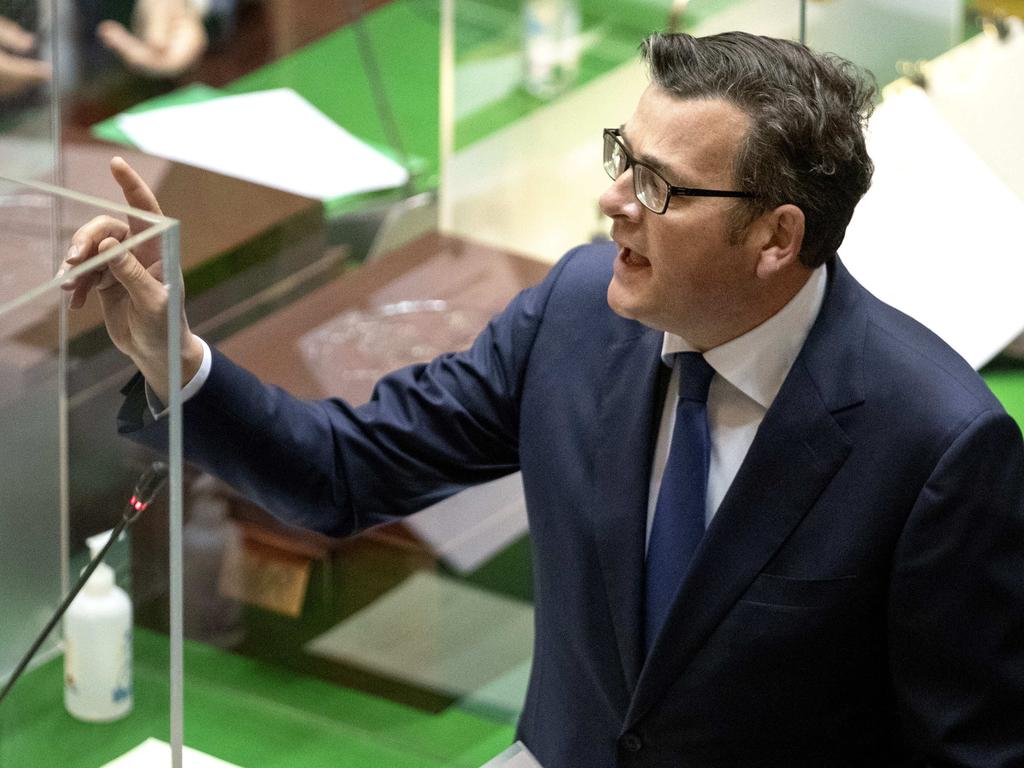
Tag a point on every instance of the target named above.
point(649, 186)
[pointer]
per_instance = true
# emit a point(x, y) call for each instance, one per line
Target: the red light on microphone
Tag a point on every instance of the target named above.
point(137, 504)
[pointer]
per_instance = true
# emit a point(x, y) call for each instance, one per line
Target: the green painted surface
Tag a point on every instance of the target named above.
point(244, 711)
point(1005, 377)
point(329, 73)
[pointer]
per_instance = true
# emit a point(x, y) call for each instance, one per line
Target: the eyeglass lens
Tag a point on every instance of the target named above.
point(649, 188)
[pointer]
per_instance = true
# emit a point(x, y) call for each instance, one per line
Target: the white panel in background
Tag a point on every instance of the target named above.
point(275, 138)
point(938, 234)
point(977, 87)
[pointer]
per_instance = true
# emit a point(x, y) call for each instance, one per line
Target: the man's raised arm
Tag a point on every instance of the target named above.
point(131, 287)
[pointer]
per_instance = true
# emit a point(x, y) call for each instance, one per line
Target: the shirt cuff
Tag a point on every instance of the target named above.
point(158, 409)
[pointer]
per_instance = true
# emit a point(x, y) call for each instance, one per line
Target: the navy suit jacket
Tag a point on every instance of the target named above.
point(858, 598)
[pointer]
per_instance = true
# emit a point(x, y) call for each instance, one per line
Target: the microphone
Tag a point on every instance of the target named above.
point(146, 488)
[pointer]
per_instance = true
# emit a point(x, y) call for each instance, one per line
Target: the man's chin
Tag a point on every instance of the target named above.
point(618, 301)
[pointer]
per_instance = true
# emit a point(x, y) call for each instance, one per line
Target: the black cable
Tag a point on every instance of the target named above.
point(146, 488)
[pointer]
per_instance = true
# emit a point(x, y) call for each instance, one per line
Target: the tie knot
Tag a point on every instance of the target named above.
point(694, 376)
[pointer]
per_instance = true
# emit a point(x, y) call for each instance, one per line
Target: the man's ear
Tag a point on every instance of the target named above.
point(780, 233)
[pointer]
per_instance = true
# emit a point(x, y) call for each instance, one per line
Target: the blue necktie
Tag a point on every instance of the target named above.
point(679, 514)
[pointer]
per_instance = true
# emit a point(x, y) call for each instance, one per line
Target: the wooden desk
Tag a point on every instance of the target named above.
point(468, 277)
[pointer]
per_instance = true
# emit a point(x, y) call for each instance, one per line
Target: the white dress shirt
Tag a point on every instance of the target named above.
point(749, 371)
point(158, 409)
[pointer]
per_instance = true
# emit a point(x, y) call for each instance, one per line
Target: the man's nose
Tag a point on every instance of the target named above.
point(618, 199)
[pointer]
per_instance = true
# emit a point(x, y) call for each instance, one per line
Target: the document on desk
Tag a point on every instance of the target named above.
point(516, 756)
point(434, 632)
point(153, 752)
point(275, 138)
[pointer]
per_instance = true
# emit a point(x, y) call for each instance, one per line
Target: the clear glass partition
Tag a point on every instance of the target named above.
point(330, 101)
point(66, 475)
point(527, 86)
point(889, 38)
point(29, 100)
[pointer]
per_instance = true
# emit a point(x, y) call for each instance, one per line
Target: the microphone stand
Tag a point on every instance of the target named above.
point(147, 487)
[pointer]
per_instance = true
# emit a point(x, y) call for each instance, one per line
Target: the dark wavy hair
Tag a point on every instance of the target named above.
point(807, 113)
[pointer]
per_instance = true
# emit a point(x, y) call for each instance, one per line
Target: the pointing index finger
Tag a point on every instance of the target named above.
point(136, 192)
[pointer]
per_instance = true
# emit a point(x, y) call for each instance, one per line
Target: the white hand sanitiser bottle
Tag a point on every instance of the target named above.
point(98, 646)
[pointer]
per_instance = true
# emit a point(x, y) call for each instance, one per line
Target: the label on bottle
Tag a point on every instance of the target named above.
point(123, 686)
point(70, 667)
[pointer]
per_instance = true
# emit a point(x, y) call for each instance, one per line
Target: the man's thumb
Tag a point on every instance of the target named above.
point(133, 277)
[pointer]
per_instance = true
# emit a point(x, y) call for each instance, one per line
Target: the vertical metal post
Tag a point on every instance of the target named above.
point(446, 113)
point(803, 22)
point(172, 275)
point(55, 34)
point(378, 88)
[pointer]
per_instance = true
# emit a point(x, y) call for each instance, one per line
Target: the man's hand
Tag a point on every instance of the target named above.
point(130, 287)
point(167, 38)
point(18, 72)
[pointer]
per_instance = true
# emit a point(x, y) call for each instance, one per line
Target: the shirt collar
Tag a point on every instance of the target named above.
point(757, 362)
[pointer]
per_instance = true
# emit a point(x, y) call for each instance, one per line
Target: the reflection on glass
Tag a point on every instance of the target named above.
point(357, 347)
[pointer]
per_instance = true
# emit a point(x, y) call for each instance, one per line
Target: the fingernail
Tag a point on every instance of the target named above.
point(72, 253)
point(60, 273)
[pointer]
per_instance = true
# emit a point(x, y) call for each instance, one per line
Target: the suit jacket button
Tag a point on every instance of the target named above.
point(631, 742)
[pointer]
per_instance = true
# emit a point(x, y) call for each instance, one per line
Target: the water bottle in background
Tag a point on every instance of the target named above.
point(551, 46)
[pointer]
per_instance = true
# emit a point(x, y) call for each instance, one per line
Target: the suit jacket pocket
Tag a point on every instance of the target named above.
point(789, 592)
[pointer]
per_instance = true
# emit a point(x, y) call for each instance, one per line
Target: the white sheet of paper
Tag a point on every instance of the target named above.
point(938, 234)
point(468, 529)
point(516, 756)
point(154, 752)
point(275, 138)
point(434, 632)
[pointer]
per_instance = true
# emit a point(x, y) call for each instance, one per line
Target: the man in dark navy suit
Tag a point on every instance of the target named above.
point(775, 522)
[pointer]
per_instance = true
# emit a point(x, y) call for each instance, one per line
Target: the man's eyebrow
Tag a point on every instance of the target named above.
point(653, 162)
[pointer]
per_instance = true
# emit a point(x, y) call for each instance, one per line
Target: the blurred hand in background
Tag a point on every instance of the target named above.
point(167, 38)
point(19, 71)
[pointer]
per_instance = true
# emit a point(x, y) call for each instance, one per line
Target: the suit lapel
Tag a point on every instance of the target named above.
point(798, 449)
point(633, 382)
point(783, 474)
